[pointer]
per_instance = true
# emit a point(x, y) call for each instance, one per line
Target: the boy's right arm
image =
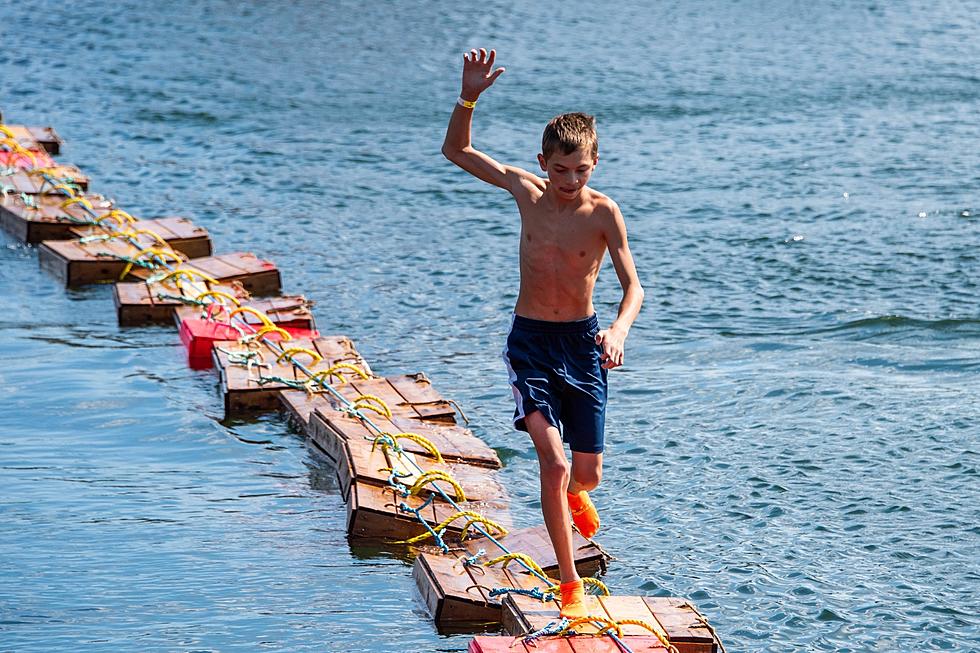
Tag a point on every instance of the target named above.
point(478, 76)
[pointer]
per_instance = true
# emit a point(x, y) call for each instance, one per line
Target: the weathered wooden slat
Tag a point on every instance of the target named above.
point(373, 513)
point(362, 462)
point(179, 232)
point(455, 443)
point(447, 600)
point(685, 626)
point(46, 218)
point(77, 262)
point(244, 394)
point(678, 619)
point(31, 182)
point(36, 138)
point(139, 303)
point(637, 644)
point(257, 276)
point(417, 392)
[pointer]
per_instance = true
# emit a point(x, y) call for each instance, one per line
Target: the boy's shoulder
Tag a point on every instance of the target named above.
point(600, 204)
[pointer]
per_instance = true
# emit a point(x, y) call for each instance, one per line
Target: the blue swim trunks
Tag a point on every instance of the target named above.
point(555, 367)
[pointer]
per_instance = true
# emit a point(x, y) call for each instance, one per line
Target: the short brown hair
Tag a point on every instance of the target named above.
point(569, 132)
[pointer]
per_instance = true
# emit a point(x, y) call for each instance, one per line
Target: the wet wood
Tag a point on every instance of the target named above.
point(440, 576)
point(637, 644)
point(677, 618)
point(241, 389)
point(139, 303)
point(45, 218)
point(36, 138)
point(323, 420)
point(417, 392)
point(373, 513)
point(179, 232)
point(360, 461)
point(286, 311)
point(590, 559)
point(32, 183)
point(78, 262)
point(257, 276)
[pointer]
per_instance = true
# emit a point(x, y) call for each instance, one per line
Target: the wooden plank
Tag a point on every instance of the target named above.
point(180, 233)
point(450, 591)
point(30, 182)
point(138, 303)
point(687, 629)
point(48, 220)
point(287, 311)
point(380, 388)
point(78, 262)
point(262, 279)
point(373, 513)
point(36, 138)
point(497, 644)
point(454, 443)
point(417, 392)
point(590, 559)
point(366, 463)
point(242, 392)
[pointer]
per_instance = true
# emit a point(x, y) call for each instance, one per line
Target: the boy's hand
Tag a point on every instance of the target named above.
point(613, 343)
point(478, 75)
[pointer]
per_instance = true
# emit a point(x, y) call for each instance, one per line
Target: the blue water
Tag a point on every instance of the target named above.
point(793, 443)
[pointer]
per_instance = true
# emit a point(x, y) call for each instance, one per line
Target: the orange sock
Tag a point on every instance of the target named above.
point(584, 515)
point(573, 599)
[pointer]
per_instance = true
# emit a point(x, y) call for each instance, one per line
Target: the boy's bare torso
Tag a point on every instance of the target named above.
point(561, 251)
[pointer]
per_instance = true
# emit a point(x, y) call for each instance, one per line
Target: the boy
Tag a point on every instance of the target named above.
point(556, 356)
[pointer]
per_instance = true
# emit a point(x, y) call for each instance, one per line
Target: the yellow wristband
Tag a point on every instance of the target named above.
point(465, 103)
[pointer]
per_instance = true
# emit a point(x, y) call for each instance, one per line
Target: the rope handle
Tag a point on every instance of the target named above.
point(292, 351)
point(434, 475)
point(266, 321)
point(373, 403)
point(272, 328)
point(219, 294)
point(118, 215)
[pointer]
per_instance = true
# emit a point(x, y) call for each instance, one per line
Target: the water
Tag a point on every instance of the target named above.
point(794, 440)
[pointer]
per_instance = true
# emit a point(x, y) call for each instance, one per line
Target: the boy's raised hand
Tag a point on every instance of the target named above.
point(478, 73)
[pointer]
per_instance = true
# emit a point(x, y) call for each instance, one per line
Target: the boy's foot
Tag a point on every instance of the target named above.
point(584, 515)
point(573, 599)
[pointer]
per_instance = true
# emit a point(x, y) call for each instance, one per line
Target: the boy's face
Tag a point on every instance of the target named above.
point(568, 173)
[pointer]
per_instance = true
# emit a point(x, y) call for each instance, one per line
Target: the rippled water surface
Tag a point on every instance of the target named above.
point(793, 444)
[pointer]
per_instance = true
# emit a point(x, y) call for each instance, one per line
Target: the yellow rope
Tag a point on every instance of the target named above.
point(292, 351)
point(507, 558)
point(440, 527)
point(371, 402)
point(77, 200)
point(152, 234)
point(272, 328)
point(266, 321)
point(17, 148)
point(72, 192)
point(435, 475)
point(217, 293)
point(7, 132)
point(598, 584)
point(609, 625)
point(188, 274)
point(501, 531)
point(421, 440)
point(118, 215)
point(333, 371)
point(653, 628)
point(164, 254)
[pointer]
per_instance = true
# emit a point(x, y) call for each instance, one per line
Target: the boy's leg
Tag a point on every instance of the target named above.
point(554, 482)
point(555, 477)
point(585, 476)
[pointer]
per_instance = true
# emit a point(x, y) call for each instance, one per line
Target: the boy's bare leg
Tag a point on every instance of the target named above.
point(555, 477)
point(554, 483)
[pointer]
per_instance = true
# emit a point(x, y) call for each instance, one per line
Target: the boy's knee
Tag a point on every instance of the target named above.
point(554, 472)
point(587, 478)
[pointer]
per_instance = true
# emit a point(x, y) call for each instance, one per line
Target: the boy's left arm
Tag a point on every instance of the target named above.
point(613, 339)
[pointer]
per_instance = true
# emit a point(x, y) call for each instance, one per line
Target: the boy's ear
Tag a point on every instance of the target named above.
point(542, 162)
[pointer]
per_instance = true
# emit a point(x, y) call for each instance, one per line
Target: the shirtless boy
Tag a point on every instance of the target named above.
point(556, 355)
